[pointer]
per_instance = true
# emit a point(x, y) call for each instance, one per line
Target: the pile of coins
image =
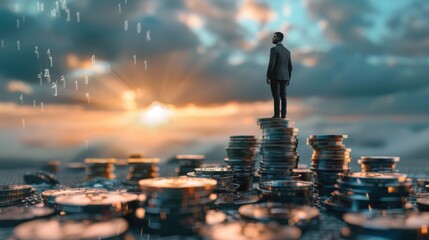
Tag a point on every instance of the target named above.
point(378, 163)
point(250, 230)
point(222, 175)
point(242, 152)
point(278, 148)
point(286, 191)
point(112, 204)
point(330, 160)
point(12, 216)
point(58, 228)
point(49, 196)
point(360, 191)
point(11, 195)
point(142, 168)
point(411, 225)
point(187, 163)
point(100, 168)
point(174, 205)
point(300, 216)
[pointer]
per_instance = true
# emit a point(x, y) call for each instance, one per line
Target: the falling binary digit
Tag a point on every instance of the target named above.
point(87, 97)
point(54, 86)
point(50, 59)
point(68, 15)
point(18, 45)
point(41, 106)
point(145, 65)
point(147, 36)
point(76, 84)
point(126, 25)
point(21, 97)
point(139, 28)
point(34, 103)
point(78, 17)
point(63, 79)
point(47, 75)
point(86, 80)
point(135, 59)
point(39, 76)
point(119, 8)
point(36, 51)
point(23, 123)
point(93, 59)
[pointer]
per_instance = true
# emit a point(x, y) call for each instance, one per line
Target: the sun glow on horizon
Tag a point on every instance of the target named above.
point(156, 114)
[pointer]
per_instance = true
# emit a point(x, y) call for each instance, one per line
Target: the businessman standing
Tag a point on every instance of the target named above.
point(279, 74)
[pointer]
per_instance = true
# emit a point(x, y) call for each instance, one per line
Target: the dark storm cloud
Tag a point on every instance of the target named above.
point(409, 31)
point(345, 21)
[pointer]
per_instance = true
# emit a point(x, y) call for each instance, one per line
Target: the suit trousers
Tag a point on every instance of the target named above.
point(278, 90)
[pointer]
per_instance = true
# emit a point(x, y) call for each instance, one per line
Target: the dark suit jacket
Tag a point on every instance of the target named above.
point(280, 66)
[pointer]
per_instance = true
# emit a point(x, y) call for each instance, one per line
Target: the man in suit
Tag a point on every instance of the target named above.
point(279, 74)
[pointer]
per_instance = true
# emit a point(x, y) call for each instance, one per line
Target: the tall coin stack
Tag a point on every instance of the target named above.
point(222, 175)
point(188, 162)
point(100, 168)
point(330, 160)
point(358, 192)
point(378, 163)
point(142, 168)
point(278, 149)
point(174, 205)
point(242, 151)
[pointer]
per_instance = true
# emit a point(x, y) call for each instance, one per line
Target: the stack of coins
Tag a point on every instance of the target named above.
point(411, 225)
point(360, 191)
point(11, 195)
point(330, 160)
point(142, 168)
point(222, 175)
point(115, 204)
point(242, 152)
point(286, 191)
point(56, 228)
point(50, 195)
point(423, 204)
point(187, 163)
point(278, 148)
point(378, 163)
point(250, 230)
point(100, 168)
point(300, 216)
point(174, 205)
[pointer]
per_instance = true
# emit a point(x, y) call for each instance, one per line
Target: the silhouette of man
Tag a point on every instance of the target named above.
point(279, 74)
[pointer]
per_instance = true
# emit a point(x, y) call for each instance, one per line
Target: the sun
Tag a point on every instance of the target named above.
point(156, 114)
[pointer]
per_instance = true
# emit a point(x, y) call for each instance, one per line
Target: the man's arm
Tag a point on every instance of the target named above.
point(271, 63)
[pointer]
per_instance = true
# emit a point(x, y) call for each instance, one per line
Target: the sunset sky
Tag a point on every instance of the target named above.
point(164, 77)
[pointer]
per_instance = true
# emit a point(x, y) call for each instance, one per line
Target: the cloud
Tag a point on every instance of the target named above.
point(18, 86)
point(343, 22)
point(408, 32)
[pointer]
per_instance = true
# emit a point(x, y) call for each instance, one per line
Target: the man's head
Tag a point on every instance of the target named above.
point(277, 37)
